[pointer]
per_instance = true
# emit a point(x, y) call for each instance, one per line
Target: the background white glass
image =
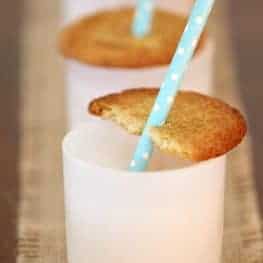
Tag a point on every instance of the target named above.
point(174, 213)
point(86, 82)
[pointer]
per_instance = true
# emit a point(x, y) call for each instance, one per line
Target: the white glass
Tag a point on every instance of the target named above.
point(173, 213)
point(86, 82)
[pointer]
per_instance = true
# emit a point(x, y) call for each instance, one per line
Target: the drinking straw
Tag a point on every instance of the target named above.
point(171, 84)
point(143, 18)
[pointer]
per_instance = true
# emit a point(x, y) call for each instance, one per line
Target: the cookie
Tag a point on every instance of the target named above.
point(105, 39)
point(198, 128)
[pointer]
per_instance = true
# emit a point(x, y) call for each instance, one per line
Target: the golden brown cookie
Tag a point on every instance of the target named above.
point(198, 127)
point(105, 39)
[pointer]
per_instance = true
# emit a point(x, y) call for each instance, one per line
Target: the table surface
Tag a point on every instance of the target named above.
point(38, 219)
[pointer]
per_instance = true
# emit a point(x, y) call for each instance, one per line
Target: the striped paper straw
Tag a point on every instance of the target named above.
point(171, 84)
point(143, 18)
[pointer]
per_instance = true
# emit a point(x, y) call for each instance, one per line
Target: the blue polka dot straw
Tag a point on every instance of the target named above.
point(171, 84)
point(143, 18)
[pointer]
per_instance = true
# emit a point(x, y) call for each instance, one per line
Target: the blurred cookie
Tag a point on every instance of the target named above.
point(105, 39)
point(198, 127)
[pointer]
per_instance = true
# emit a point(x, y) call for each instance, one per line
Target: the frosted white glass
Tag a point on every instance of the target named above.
point(174, 213)
point(85, 82)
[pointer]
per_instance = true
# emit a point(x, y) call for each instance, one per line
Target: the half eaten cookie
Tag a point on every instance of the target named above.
point(198, 127)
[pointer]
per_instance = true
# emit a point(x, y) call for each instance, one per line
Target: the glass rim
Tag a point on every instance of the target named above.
point(66, 152)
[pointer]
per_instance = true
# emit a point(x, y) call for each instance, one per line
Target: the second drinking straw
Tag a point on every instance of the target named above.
point(171, 84)
point(143, 18)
